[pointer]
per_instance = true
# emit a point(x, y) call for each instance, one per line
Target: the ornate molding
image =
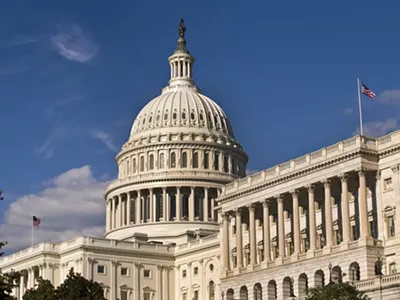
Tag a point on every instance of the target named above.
point(294, 193)
point(326, 182)
point(395, 168)
point(310, 188)
point(251, 207)
point(378, 175)
point(343, 177)
point(266, 202)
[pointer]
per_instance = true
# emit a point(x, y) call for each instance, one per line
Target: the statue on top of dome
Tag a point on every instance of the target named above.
point(182, 29)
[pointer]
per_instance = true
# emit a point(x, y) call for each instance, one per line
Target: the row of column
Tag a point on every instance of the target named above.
point(363, 216)
point(181, 68)
point(146, 205)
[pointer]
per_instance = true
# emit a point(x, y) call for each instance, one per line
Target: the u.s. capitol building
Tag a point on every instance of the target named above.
point(185, 222)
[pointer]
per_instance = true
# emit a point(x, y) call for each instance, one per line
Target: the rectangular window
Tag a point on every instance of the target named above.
point(146, 273)
point(354, 233)
point(196, 270)
point(392, 269)
point(372, 229)
point(124, 295)
point(391, 227)
point(183, 273)
point(387, 184)
point(196, 295)
point(234, 229)
point(124, 272)
point(101, 269)
point(206, 160)
point(146, 296)
point(216, 161)
point(184, 296)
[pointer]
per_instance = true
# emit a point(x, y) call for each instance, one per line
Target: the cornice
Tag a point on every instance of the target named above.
point(296, 174)
point(22, 259)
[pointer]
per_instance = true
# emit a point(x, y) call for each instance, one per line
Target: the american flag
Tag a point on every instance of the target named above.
point(36, 222)
point(366, 91)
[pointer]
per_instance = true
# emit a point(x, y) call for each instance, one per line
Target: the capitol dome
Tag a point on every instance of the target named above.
point(180, 152)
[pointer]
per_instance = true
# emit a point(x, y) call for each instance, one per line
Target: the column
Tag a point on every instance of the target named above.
point(128, 208)
point(345, 208)
point(178, 204)
point(165, 282)
point(191, 204)
point(362, 202)
point(136, 281)
point(158, 283)
point(113, 283)
point(311, 217)
point(212, 209)
point(239, 245)
point(281, 227)
point(21, 286)
point(108, 214)
point(396, 192)
point(328, 213)
point(378, 195)
point(205, 205)
point(252, 232)
point(266, 232)
point(151, 205)
point(225, 242)
point(296, 222)
point(89, 268)
point(138, 208)
point(112, 217)
point(164, 204)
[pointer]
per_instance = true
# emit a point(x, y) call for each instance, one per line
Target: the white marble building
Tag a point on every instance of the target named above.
point(183, 222)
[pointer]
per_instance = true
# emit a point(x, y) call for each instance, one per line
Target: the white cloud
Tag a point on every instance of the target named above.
point(105, 139)
point(378, 128)
point(390, 96)
point(71, 204)
point(73, 44)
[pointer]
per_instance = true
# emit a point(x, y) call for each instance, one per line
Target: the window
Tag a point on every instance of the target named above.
point(195, 160)
point(392, 268)
point(124, 272)
point(211, 267)
point(216, 161)
point(183, 115)
point(211, 290)
point(387, 184)
point(184, 273)
point(174, 116)
point(134, 165)
point(196, 270)
point(128, 171)
point(196, 295)
point(226, 163)
point(141, 163)
point(162, 159)
point(151, 162)
point(124, 295)
point(233, 229)
point(166, 116)
point(146, 296)
point(206, 160)
point(101, 269)
point(372, 228)
point(146, 273)
point(391, 226)
point(184, 296)
point(354, 233)
point(184, 160)
point(192, 116)
point(173, 160)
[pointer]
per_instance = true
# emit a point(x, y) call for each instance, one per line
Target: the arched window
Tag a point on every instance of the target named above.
point(226, 163)
point(195, 160)
point(151, 162)
point(128, 171)
point(162, 161)
point(211, 290)
point(216, 161)
point(184, 160)
point(134, 165)
point(173, 160)
point(141, 163)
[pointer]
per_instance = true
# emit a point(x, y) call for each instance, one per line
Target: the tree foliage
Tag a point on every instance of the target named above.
point(7, 281)
point(76, 287)
point(336, 291)
point(44, 291)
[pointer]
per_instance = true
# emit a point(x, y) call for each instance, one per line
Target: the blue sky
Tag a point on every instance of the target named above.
point(74, 74)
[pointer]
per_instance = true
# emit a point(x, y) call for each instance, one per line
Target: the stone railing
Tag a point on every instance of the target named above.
point(31, 251)
point(210, 239)
point(379, 282)
point(346, 146)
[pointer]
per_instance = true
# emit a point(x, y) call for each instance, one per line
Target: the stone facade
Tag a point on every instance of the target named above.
point(183, 221)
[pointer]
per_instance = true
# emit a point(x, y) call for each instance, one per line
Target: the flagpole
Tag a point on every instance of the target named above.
point(359, 106)
point(32, 236)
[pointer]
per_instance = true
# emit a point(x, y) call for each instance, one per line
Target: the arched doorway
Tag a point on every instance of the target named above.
point(230, 294)
point(319, 278)
point(243, 295)
point(257, 292)
point(337, 274)
point(303, 285)
point(272, 292)
point(287, 288)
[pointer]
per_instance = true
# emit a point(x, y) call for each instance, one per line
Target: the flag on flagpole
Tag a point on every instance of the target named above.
point(366, 91)
point(36, 222)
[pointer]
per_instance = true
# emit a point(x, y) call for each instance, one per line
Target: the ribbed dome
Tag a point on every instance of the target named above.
point(180, 109)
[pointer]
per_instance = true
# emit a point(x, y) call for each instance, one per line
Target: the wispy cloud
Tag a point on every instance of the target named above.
point(21, 40)
point(73, 44)
point(390, 96)
point(74, 193)
point(378, 128)
point(105, 138)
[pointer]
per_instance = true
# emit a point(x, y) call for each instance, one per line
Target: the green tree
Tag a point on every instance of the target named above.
point(7, 281)
point(44, 291)
point(76, 287)
point(336, 291)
